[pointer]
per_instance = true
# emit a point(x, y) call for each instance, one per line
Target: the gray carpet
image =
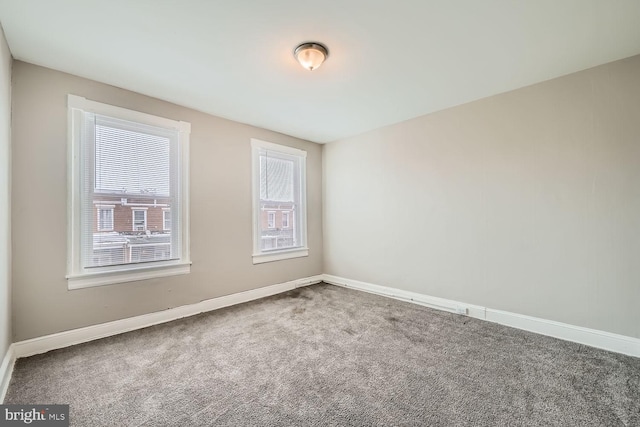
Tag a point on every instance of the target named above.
point(323, 356)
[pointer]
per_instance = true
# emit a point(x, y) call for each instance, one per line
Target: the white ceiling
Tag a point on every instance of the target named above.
point(389, 60)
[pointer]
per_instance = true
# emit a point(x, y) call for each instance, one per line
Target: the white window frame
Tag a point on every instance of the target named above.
point(79, 277)
point(271, 224)
point(101, 208)
point(164, 219)
point(133, 218)
point(288, 216)
point(260, 256)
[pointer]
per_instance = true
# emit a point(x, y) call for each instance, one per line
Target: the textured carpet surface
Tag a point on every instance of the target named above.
point(326, 356)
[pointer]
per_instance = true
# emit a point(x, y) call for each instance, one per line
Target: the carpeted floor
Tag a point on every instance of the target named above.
point(327, 356)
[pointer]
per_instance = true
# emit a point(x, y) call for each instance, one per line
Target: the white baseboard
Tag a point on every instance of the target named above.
point(564, 331)
point(90, 333)
point(414, 297)
point(591, 337)
point(595, 338)
point(6, 370)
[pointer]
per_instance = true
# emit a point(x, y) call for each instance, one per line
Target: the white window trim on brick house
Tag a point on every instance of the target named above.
point(144, 219)
point(100, 210)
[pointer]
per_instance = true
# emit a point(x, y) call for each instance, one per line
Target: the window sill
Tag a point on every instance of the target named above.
point(88, 280)
point(280, 255)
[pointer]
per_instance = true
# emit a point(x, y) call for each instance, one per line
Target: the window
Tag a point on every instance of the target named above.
point(271, 220)
point(123, 164)
point(166, 219)
point(105, 218)
point(139, 219)
point(279, 184)
point(285, 219)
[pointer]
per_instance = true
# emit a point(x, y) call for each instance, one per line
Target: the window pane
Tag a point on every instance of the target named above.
point(132, 170)
point(279, 201)
point(278, 193)
point(130, 162)
point(133, 235)
point(275, 234)
point(276, 179)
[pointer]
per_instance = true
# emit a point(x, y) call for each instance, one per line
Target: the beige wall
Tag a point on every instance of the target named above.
point(5, 196)
point(528, 202)
point(220, 195)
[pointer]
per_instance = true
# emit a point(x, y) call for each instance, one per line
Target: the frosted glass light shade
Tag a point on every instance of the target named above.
point(311, 55)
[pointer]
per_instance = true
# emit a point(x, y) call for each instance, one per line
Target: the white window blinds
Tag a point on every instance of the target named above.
point(277, 177)
point(132, 158)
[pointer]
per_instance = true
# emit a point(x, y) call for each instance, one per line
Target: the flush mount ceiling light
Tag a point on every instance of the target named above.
point(311, 55)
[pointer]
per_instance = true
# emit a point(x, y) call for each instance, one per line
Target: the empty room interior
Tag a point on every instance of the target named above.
point(349, 212)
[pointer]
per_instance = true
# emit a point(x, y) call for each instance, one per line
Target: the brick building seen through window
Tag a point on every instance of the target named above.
point(277, 221)
point(131, 230)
